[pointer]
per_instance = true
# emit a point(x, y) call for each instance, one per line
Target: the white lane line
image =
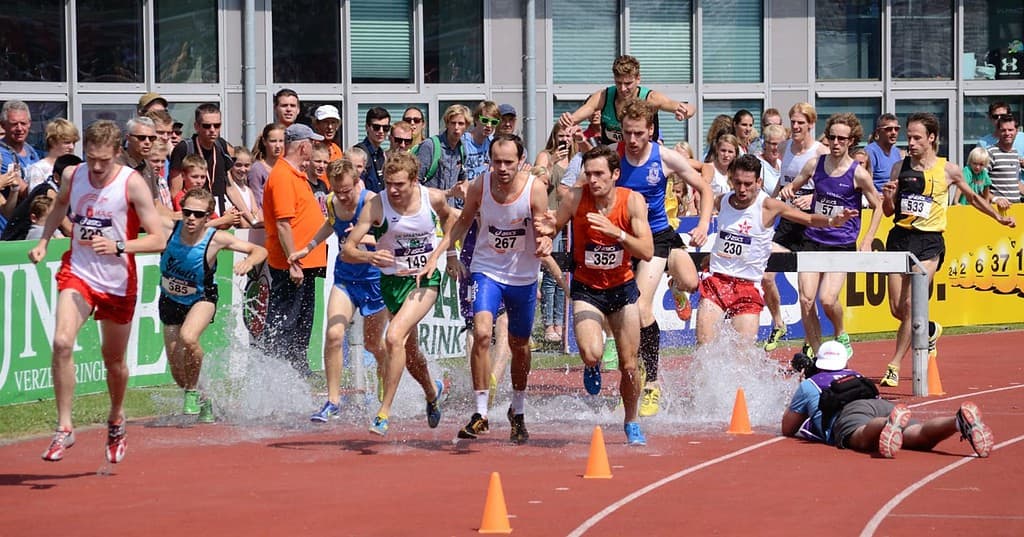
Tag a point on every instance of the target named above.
point(602, 514)
point(882, 513)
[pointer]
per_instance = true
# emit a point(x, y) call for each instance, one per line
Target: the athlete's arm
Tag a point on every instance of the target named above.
point(552, 222)
point(677, 163)
point(660, 101)
point(350, 251)
point(56, 216)
point(774, 207)
point(789, 191)
point(955, 176)
point(594, 103)
point(320, 236)
point(141, 199)
point(889, 190)
point(539, 209)
point(470, 208)
point(863, 181)
point(449, 216)
point(640, 243)
point(224, 240)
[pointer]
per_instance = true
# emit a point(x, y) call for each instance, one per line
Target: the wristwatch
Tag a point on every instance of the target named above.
point(119, 245)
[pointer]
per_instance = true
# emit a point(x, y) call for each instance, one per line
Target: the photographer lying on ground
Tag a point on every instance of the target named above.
point(840, 407)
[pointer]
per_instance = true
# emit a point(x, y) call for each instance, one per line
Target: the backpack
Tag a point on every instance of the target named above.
point(435, 158)
point(842, 391)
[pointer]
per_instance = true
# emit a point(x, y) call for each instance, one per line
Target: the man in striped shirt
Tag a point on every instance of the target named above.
point(1005, 164)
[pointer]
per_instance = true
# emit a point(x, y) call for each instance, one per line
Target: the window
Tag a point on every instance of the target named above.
point(453, 41)
point(186, 113)
point(922, 39)
point(186, 41)
point(118, 113)
point(381, 41)
point(727, 107)
point(109, 41)
point(36, 51)
point(559, 108)
point(848, 39)
point(585, 40)
point(660, 36)
point(939, 107)
point(732, 43)
point(976, 123)
point(866, 109)
point(306, 37)
point(990, 27)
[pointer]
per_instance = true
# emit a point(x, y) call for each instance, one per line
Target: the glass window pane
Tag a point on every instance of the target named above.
point(660, 37)
point(36, 51)
point(306, 42)
point(939, 107)
point(43, 113)
point(395, 109)
point(866, 109)
point(560, 107)
point(186, 114)
point(976, 123)
point(584, 57)
point(989, 28)
point(732, 41)
point(848, 39)
point(118, 113)
point(727, 107)
point(922, 39)
point(186, 41)
point(453, 41)
point(109, 41)
point(381, 37)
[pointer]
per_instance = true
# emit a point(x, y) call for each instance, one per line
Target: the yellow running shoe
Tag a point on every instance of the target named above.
point(892, 377)
point(649, 401)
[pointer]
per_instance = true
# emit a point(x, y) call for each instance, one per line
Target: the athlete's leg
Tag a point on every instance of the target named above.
point(746, 325)
point(400, 332)
point(414, 359)
point(682, 270)
point(190, 351)
point(114, 348)
point(339, 315)
point(625, 325)
point(72, 312)
point(588, 324)
point(373, 338)
point(648, 276)
point(807, 284)
point(501, 352)
point(899, 306)
point(172, 347)
point(828, 292)
point(708, 316)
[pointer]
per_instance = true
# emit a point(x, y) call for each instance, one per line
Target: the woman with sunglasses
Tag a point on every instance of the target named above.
point(188, 292)
point(882, 151)
point(414, 116)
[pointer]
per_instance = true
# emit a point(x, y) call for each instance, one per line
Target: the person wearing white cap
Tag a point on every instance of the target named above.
point(326, 122)
point(838, 406)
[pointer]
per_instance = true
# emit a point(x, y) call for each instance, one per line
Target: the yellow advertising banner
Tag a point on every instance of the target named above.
point(981, 280)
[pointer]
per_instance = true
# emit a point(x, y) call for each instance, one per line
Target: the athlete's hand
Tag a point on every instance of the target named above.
point(601, 223)
point(845, 217)
point(295, 270)
point(682, 112)
point(297, 255)
point(545, 225)
point(103, 246)
point(244, 266)
point(1002, 203)
point(699, 235)
point(37, 253)
point(889, 190)
point(1007, 221)
point(803, 202)
point(382, 258)
point(428, 268)
point(544, 246)
point(566, 119)
point(786, 192)
point(455, 268)
point(458, 191)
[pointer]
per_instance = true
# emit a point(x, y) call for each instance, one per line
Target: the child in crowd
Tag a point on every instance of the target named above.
point(155, 174)
point(316, 174)
point(976, 175)
point(193, 174)
point(240, 194)
point(41, 207)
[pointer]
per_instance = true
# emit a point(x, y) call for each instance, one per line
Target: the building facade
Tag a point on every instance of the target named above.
point(91, 59)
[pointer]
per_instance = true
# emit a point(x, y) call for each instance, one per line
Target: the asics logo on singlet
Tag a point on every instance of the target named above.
point(654, 174)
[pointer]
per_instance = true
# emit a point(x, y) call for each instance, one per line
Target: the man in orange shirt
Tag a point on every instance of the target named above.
point(293, 217)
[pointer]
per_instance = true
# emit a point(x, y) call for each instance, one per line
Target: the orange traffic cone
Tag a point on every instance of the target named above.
point(740, 423)
point(597, 462)
point(495, 518)
point(934, 382)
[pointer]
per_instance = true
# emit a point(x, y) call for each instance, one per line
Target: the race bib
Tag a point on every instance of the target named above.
point(505, 240)
point(86, 228)
point(916, 205)
point(826, 207)
point(601, 257)
point(177, 287)
point(413, 257)
point(731, 244)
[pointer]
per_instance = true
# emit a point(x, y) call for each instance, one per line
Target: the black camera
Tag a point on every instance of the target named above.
point(803, 363)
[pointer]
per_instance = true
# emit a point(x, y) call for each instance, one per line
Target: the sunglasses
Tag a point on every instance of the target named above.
point(891, 128)
point(402, 141)
point(144, 137)
point(998, 116)
point(185, 213)
point(834, 137)
point(210, 125)
point(413, 119)
point(178, 133)
point(489, 121)
point(380, 128)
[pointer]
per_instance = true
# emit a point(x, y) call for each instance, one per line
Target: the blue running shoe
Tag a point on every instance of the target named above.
point(592, 379)
point(379, 426)
point(328, 411)
point(434, 407)
point(634, 436)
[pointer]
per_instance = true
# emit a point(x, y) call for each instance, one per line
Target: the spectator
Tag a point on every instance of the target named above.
point(771, 157)
point(378, 125)
point(163, 123)
point(61, 137)
point(509, 118)
point(443, 169)
point(869, 424)
point(976, 175)
point(138, 142)
point(414, 116)
point(722, 124)
point(155, 175)
point(743, 128)
point(1005, 163)
point(882, 151)
point(286, 107)
point(208, 144)
point(771, 116)
point(240, 195)
point(402, 137)
point(293, 217)
point(997, 110)
point(176, 132)
point(358, 157)
point(265, 152)
point(727, 148)
point(326, 122)
point(40, 209)
point(20, 223)
point(151, 101)
point(16, 120)
point(476, 143)
point(316, 174)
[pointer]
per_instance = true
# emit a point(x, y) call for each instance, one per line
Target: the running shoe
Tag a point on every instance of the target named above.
point(891, 439)
point(191, 406)
point(776, 335)
point(492, 390)
point(206, 411)
point(610, 358)
point(326, 412)
point(518, 435)
point(684, 310)
point(477, 425)
point(62, 441)
point(968, 421)
point(806, 349)
point(434, 407)
point(634, 436)
point(934, 333)
point(117, 443)
point(844, 338)
point(379, 425)
point(650, 402)
point(592, 379)
point(892, 376)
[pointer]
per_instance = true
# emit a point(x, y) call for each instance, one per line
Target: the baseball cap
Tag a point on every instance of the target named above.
point(148, 98)
point(298, 131)
point(327, 111)
point(507, 110)
point(831, 356)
